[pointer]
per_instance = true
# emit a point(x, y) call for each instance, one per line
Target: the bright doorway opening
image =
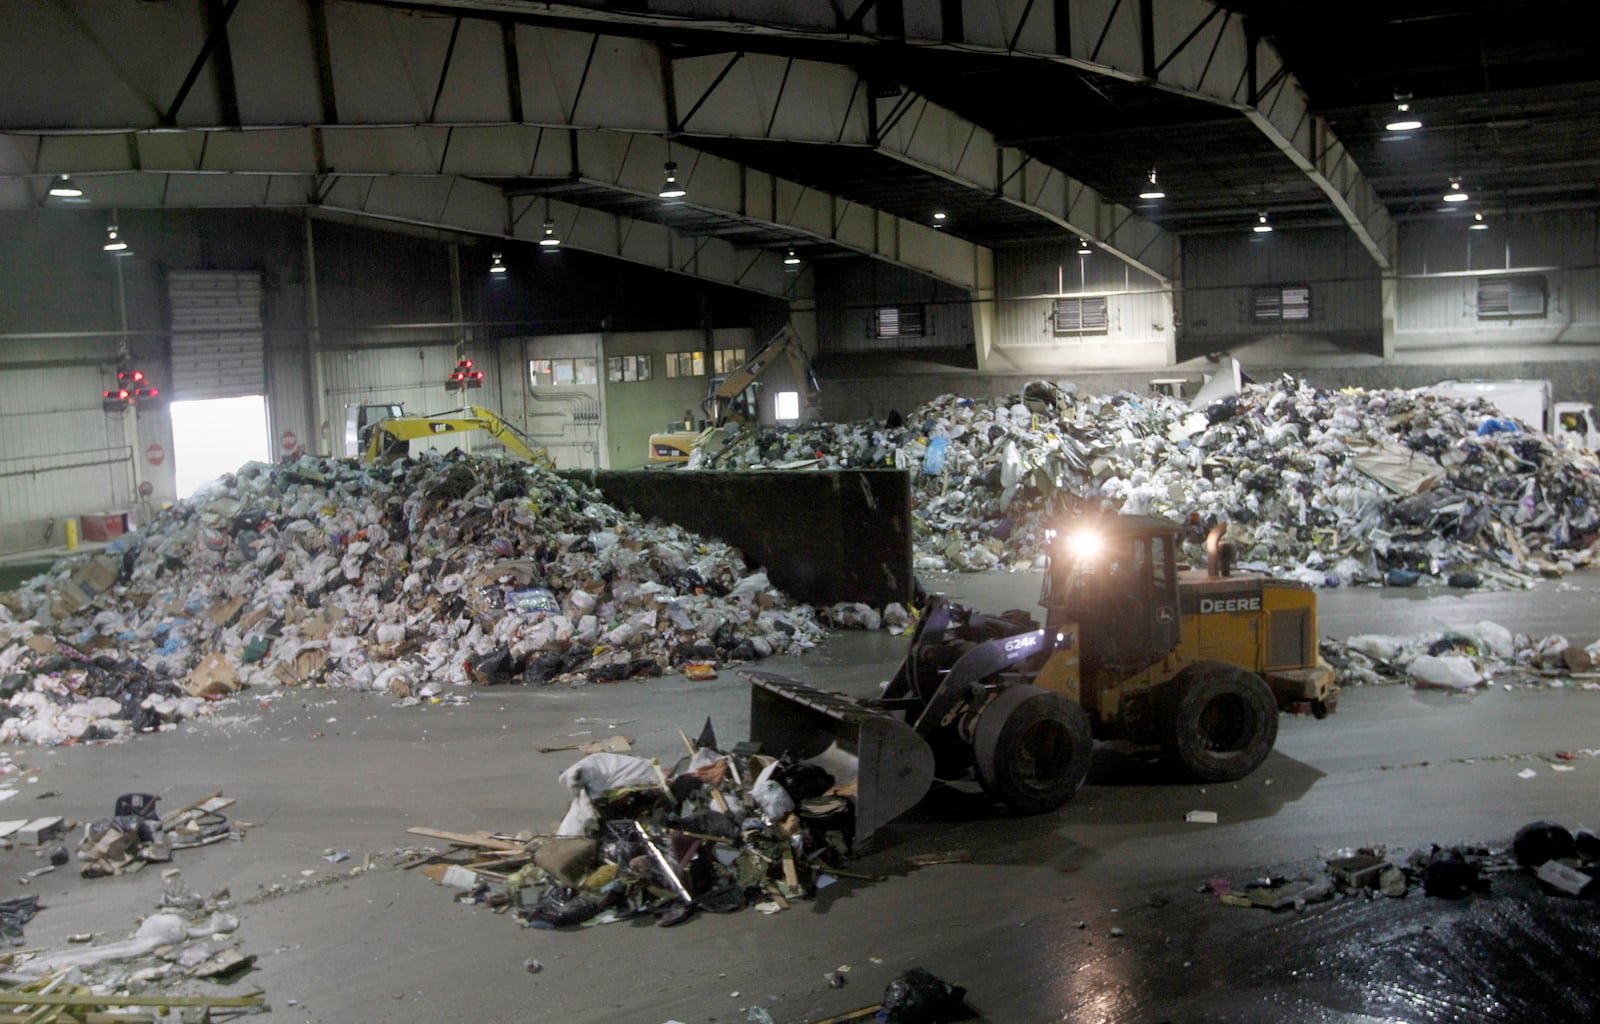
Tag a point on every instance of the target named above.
point(214, 436)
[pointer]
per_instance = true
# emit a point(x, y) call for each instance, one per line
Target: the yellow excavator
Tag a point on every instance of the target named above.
point(1197, 662)
point(731, 400)
point(390, 439)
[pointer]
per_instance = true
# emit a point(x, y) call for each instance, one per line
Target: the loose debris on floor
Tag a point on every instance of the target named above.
point(1464, 659)
point(189, 939)
point(1336, 488)
point(136, 835)
point(719, 831)
point(412, 580)
point(1565, 863)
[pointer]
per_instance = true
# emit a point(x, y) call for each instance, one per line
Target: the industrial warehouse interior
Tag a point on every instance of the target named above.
point(669, 512)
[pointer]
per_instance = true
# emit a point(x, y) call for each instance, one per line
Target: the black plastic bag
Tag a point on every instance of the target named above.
point(920, 997)
point(802, 780)
point(562, 905)
point(1540, 841)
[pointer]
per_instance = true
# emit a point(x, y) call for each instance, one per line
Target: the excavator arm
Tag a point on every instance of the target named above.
point(391, 438)
point(785, 344)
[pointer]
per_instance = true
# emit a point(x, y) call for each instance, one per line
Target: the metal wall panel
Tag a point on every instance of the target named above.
point(850, 291)
point(217, 348)
point(1029, 281)
point(60, 453)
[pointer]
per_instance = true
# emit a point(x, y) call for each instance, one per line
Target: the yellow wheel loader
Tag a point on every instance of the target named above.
point(1198, 662)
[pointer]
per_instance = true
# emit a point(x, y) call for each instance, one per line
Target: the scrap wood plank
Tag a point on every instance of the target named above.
point(18, 998)
point(168, 819)
point(861, 1014)
point(483, 840)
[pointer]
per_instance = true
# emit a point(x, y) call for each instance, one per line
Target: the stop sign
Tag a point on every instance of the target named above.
point(289, 441)
point(155, 454)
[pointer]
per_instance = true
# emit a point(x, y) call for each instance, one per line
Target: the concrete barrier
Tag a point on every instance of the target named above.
point(823, 536)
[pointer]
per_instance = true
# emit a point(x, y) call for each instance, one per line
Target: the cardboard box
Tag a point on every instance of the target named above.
point(103, 526)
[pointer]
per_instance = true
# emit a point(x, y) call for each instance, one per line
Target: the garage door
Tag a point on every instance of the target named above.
point(216, 334)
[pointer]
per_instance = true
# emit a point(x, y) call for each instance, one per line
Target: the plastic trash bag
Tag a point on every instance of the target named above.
point(1449, 672)
point(933, 462)
point(920, 997)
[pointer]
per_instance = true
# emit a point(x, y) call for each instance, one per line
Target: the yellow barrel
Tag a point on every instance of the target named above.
point(72, 533)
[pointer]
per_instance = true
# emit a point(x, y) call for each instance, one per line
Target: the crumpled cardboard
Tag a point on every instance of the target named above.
point(215, 676)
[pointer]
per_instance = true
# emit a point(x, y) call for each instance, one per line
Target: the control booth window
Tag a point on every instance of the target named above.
point(551, 372)
point(727, 360)
point(899, 322)
point(1280, 304)
point(1079, 316)
point(627, 368)
point(686, 364)
point(1501, 298)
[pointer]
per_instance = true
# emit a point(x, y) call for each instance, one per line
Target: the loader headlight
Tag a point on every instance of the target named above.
point(1085, 545)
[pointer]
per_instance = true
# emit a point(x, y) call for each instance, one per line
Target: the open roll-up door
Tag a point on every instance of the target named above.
point(216, 334)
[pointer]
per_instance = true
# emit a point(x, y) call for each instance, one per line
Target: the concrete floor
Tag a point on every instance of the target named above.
point(1025, 927)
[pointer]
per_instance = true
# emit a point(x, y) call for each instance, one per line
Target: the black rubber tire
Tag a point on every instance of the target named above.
point(1219, 722)
point(1032, 749)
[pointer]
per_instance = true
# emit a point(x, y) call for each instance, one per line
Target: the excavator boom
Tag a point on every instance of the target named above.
point(391, 438)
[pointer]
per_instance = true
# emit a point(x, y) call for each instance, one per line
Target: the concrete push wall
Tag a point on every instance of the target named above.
point(823, 536)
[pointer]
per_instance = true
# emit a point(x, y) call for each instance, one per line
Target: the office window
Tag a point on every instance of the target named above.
point(1079, 316)
point(1280, 304)
point(686, 364)
point(899, 322)
point(627, 368)
point(551, 372)
point(1503, 297)
point(727, 360)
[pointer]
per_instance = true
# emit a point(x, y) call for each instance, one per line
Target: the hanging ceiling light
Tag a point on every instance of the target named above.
point(1403, 120)
point(1455, 195)
point(62, 187)
point(1152, 190)
point(939, 217)
point(671, 188)
point(497, 265)
point(791, 260)
point(549, 240)
point(1478, 223)
point(114, 242)
point(1083, 247)
point(1261, 226)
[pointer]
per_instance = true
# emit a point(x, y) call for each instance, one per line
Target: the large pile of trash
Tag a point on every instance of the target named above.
point(1463, 659)
point(1334, 488)
point(409, 579)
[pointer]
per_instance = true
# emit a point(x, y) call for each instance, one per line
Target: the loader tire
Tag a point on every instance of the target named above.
point(1219, 722)
point(1032, 749)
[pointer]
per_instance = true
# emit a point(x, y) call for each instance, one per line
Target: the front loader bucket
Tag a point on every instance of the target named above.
point(874, 757)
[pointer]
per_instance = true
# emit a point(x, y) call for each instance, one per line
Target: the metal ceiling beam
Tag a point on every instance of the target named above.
point(447, 203)
point(386, 66)
point(1188, 47)
point(630, 164)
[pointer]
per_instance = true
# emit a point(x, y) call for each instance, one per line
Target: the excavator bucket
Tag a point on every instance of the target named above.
point(875, 758)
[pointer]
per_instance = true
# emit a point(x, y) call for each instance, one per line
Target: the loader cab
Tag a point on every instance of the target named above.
point(1116, 578)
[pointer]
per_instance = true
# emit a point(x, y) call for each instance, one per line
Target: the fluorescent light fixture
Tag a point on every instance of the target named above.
point(1152, 190)
point(671, 189)
point(549, 240)
point(1478, 223)
point(1261, 226)
point(940, 215)
point(1455, 195)
point(64, 188)
point(1403, 120)
point(791, 260)
point(114, 242)
point(497, 265)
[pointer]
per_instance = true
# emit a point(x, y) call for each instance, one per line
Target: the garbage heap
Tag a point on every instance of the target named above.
point(719, 832)
point(1335, 488)
point(1463, 659)
point(409, 579)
